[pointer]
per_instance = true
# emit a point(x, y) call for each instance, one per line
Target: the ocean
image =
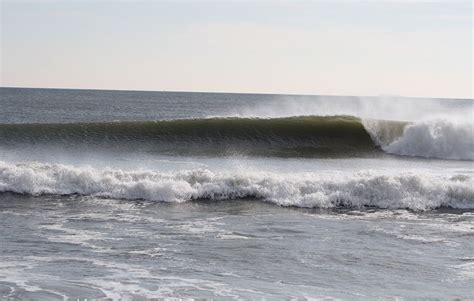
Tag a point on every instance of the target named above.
point(135, 195)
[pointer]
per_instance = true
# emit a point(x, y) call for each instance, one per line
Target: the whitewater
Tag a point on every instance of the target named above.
point(134, 195)
point(325, 190)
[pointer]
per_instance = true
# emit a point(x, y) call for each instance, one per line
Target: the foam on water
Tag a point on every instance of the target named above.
point(417, 191)
point(438, 138)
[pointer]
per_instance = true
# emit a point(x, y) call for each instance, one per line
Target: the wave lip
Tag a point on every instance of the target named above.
point(308, 190)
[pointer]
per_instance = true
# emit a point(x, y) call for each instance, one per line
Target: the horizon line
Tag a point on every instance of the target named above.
point(245, 93)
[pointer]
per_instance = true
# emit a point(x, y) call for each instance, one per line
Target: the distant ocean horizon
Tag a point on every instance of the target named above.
point(143, 194)
point(314, 94)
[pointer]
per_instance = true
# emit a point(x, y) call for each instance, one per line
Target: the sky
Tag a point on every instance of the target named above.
point(406, 48)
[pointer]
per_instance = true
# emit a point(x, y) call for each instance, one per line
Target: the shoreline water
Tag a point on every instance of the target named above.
point(110, 248)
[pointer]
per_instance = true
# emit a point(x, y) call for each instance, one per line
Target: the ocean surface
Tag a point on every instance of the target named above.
point(136, 195)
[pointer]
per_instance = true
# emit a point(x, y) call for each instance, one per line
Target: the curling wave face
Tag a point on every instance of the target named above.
point(302, 136)
point(416, 191)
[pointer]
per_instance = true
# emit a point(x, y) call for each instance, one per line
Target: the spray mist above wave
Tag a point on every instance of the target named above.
point(310, 190)
point(377, 108)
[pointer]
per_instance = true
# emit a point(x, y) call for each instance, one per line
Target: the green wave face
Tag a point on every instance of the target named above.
point(307, 136)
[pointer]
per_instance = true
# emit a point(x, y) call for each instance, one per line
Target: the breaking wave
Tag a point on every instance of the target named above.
point(310, 190)
point(302, 136)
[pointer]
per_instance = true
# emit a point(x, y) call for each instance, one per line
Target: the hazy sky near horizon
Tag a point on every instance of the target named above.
point(339, 47)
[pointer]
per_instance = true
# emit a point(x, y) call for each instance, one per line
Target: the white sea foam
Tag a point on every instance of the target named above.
point(418, 191)
point(438, 138)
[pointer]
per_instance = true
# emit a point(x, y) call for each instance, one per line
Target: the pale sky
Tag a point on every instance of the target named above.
point(403, 48)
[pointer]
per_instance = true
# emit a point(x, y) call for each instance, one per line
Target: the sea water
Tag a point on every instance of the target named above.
point(135, 195)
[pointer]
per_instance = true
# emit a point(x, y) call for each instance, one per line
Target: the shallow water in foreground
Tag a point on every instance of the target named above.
point(55, 247)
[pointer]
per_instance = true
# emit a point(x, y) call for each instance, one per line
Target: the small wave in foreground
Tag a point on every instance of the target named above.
point(310, 190)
